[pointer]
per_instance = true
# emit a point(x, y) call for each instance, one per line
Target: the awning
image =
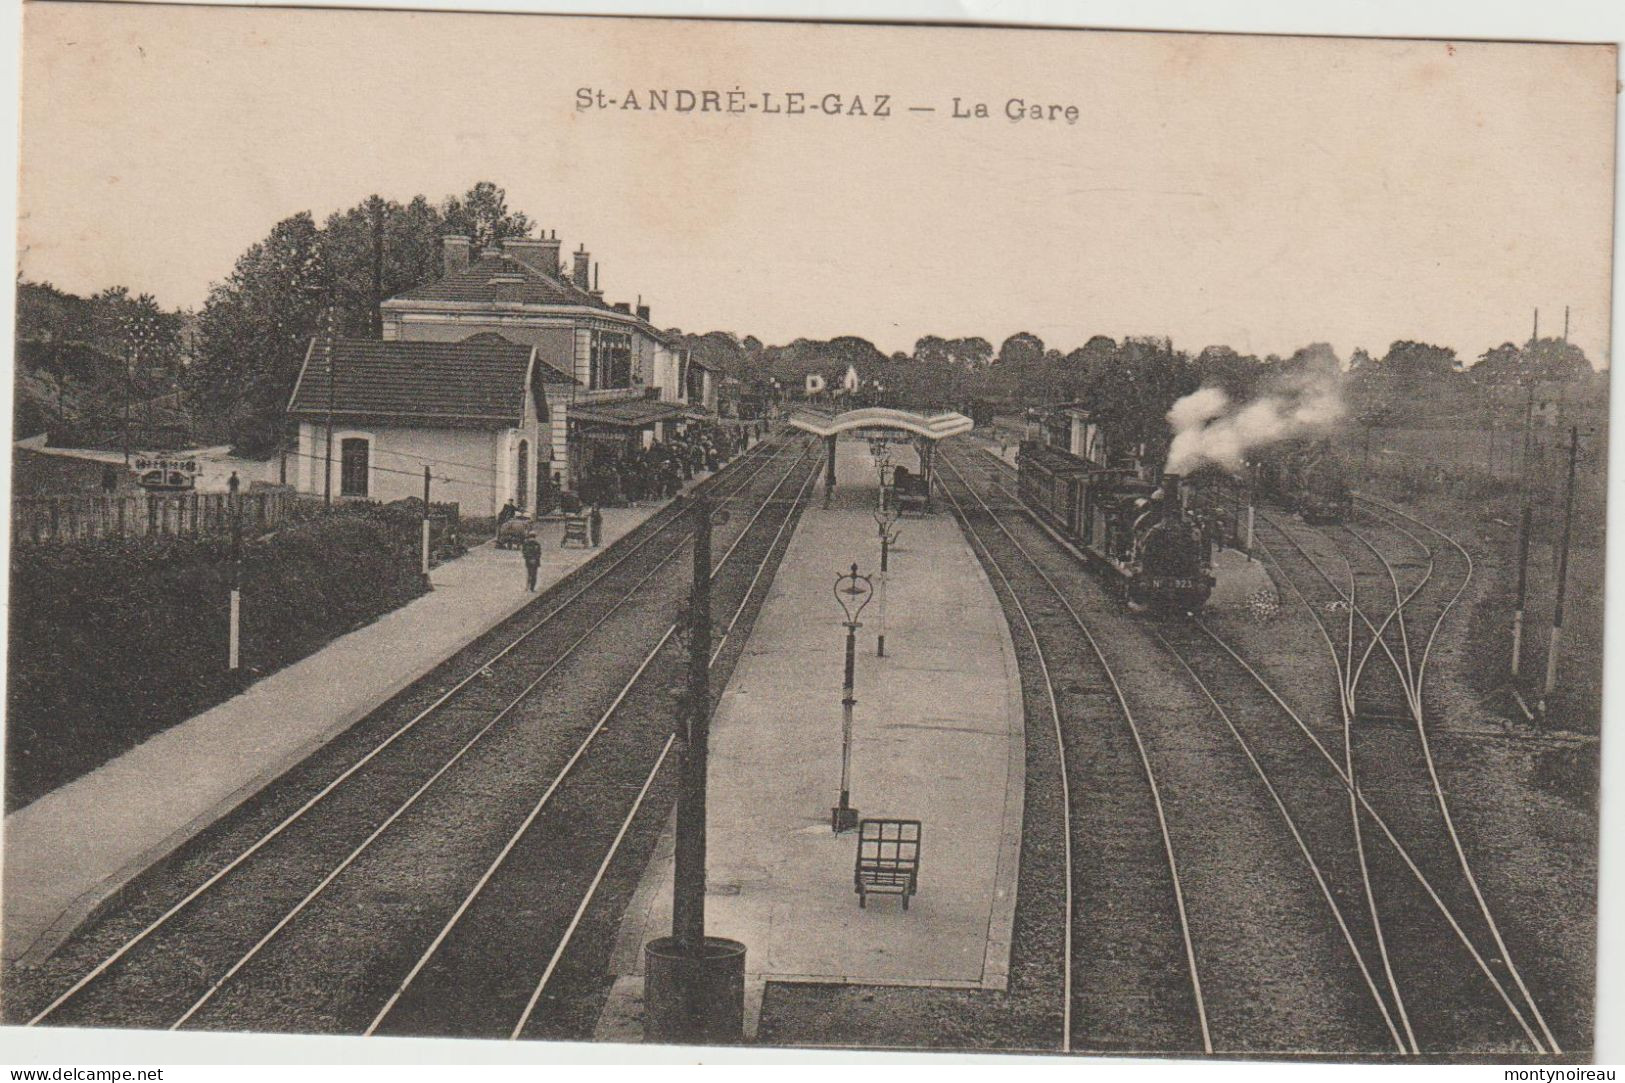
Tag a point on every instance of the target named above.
point(626, 414)
point(930, 426)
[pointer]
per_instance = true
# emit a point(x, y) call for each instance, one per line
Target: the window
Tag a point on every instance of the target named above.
point(523, 473)
point(354, 455)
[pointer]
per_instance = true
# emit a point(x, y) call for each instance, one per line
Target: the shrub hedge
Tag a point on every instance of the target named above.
point(115, 640)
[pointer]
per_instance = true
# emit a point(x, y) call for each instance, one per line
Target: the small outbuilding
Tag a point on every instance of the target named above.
point(476, 413)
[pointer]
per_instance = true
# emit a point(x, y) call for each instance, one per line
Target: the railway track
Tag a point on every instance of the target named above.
point(1295, 765)
point(418, 787)
point(1084, 697)
point(1447, 949)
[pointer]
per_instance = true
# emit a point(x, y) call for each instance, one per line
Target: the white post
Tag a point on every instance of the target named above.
point(1517, 639)
point(235, 640)
point(425, 547)
point(1249, 530)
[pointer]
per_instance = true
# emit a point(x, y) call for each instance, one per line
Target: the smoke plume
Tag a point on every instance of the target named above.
point(1209, 428)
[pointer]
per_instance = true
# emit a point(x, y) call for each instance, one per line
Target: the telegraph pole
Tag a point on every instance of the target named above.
point(694, 985)
point(688, 880)
point(332, 392)
point(1525, 523)
point(1562, 571)
point(234, 645)
point(426, 584)
point(376, 205)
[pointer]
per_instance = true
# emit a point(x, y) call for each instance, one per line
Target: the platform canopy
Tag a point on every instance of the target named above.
point(930, 426)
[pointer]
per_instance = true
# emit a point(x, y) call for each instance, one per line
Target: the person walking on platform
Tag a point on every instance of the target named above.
point(595, 526)
point(531, 550)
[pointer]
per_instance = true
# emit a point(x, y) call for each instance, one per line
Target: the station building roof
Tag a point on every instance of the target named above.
point(930, 426)
point(497, 278)
point(478, 382)
point(629, 413)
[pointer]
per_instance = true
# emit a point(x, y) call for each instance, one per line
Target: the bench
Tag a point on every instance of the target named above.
point(888, 859)
point(914, 500)
point(575, 530)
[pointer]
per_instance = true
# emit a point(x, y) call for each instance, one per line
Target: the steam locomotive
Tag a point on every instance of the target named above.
point(1137, 533)
point(1307, 477)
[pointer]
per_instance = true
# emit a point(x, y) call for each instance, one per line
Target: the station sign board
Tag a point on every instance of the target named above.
point(164, 474)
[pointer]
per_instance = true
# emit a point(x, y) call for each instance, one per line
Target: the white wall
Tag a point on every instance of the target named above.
point(471, 467)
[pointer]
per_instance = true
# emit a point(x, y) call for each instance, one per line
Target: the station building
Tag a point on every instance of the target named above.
point(505, 374)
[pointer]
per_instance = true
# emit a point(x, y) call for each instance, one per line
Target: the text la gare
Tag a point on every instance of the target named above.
point(1017, 109)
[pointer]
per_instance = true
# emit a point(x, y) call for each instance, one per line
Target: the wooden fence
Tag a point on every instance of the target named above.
point(82, 517)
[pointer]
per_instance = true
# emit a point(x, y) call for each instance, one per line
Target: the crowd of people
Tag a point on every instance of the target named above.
point(629, 474)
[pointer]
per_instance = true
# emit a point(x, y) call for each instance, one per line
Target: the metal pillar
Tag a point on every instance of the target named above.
point(843, 817)
point(829, 470)
point(856, 594)
point(885, 546)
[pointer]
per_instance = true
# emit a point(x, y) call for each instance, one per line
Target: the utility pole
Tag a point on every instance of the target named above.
point(688, 879)
point(129, 380)
point(1525, 524)
point(1562, 571)
point(332, 392)
point(694, 985)
point(426, 584)
point(376, 206)
point(234, 645)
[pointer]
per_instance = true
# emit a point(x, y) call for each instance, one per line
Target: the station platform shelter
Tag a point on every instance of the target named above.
point(880, 422)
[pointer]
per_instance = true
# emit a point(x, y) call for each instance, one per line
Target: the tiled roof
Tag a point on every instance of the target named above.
point(456, 381)
point(523, 284)
point(630, 413)
point(550, 373)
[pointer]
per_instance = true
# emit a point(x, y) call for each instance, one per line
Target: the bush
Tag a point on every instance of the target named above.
point(113, 641)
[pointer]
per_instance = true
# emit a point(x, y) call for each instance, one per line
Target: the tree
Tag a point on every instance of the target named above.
point(411, 253)
point(256, 326)
point(1130, 393)
point(1222, 367)
point(1020, 349)
point(1317, 358)
point(1418, 361)
point(481, 214)
point(253, 333)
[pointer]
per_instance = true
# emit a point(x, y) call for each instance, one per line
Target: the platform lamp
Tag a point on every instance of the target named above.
point(885, 516)
point(853, 592)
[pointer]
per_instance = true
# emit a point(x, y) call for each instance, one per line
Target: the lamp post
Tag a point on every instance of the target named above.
point(853, 592)
point(885, 516)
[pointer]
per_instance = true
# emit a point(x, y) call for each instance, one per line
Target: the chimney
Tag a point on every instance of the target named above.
point(579, 271)
point(598, 294)
point(622, 306)
point(541, 254)
point(457, 250)
point(508, 287)
point(643, 313)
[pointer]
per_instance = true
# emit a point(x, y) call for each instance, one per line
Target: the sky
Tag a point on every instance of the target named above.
point(1258, 192)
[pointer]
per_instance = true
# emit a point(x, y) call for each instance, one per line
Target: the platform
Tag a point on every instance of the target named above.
point(73, 848)
point(938, 736)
